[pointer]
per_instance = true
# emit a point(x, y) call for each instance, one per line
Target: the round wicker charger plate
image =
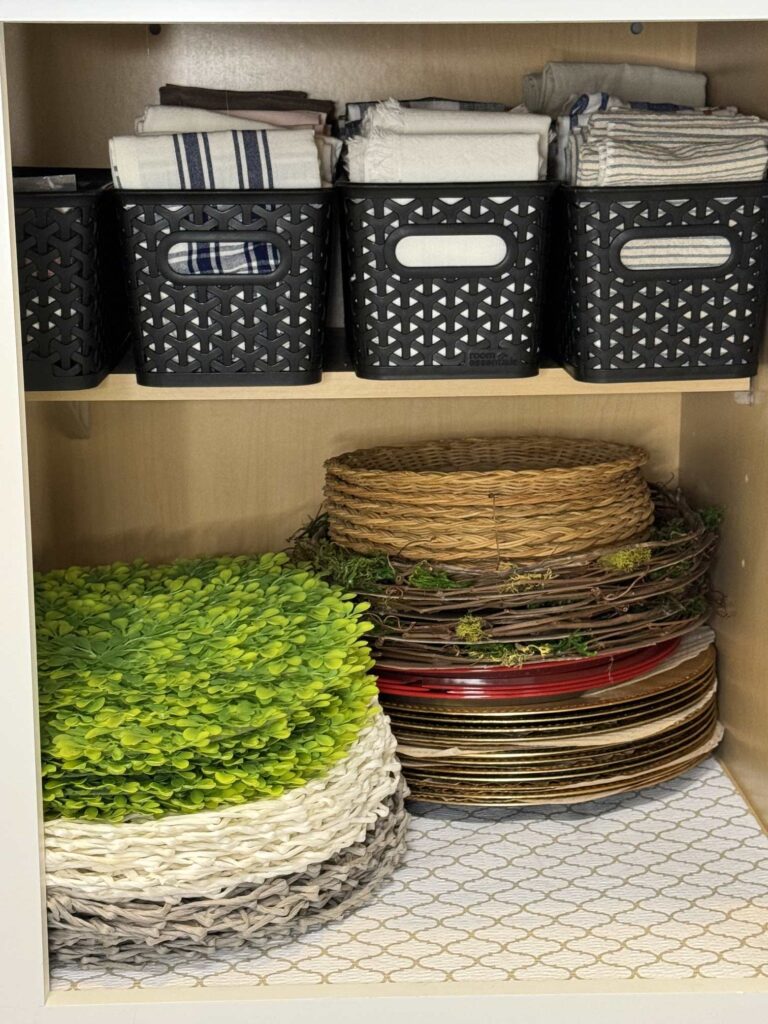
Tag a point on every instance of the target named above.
point(451, 500)
point(505, 465)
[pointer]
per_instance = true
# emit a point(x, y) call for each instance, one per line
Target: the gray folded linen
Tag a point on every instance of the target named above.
point(547, 91)
point(232, 99)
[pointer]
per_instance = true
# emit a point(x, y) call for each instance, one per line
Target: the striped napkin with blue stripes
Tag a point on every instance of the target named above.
point(216, 160)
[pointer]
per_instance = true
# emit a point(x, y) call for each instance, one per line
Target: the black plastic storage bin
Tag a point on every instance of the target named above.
point(646, 322)
point(445, 321)
point(74, 316)
point(262, 327)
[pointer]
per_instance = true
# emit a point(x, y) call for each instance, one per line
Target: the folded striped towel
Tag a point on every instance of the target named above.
point(626, 162)
point(671, 252)
point(587, 146)
point(224, 258)
point(216, 160)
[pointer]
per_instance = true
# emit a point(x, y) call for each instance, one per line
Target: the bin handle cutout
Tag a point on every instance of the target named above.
point(461, 250)
point(223, 257)
point(661, 253)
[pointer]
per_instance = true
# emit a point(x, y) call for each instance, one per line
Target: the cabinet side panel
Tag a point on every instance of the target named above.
point(724, 460)
point(23, 967)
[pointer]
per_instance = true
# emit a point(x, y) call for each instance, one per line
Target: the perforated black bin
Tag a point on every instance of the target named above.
point(74, 318)
point(414, 321)
point(199, 324)
point(665, 283)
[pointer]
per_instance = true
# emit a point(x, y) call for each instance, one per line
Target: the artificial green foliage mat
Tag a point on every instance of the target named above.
point(193, 686)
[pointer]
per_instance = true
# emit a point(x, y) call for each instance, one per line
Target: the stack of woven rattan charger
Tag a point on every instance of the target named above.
point(539, 614)
point(484, 499)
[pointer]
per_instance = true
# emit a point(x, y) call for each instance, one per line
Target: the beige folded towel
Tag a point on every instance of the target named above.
point(390, 157)
point(391, 117)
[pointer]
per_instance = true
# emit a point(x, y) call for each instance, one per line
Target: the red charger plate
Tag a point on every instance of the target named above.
point(500, 682)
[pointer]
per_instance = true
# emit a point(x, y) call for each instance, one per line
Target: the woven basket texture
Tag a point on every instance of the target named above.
point(197, 854)
point(88, 930)
point(488, 498)
point(613, 598)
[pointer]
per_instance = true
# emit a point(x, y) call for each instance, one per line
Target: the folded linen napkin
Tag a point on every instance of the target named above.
point(577, 114)
point(224, 258)
point(221, 160)
point(171, 120)
point(352, 122)
point(670, 252)
point(698, 136)
point(391, 157)
point(328, 151)
point(228, 99)
point(356, 111)
point(391, 116)
point(624, 162)
point(717, 123)
point(546, 92)
point(283, 118)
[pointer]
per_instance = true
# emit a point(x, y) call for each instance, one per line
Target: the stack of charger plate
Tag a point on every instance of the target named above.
point(539, 614)
point(217, 769)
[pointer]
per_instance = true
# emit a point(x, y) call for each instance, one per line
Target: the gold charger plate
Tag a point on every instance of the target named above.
point(573, 755)
point(566, 768)
point(512, 797)
point(428, 730)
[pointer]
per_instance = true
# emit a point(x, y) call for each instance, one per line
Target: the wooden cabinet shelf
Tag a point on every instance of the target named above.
point(122, 387)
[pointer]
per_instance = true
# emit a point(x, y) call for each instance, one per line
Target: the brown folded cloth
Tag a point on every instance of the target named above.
point(230, 99)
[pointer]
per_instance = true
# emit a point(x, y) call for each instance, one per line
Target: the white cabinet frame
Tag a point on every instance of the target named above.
point(24, 997)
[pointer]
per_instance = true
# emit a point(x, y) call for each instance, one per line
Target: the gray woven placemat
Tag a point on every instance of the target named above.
point(135, 931)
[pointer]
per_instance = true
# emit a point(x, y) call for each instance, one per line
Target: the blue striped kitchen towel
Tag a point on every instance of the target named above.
point(216, 160)
point(226, 258)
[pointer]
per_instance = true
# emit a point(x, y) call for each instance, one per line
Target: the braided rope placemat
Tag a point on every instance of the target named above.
point(90, 930)
point(201, 853)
